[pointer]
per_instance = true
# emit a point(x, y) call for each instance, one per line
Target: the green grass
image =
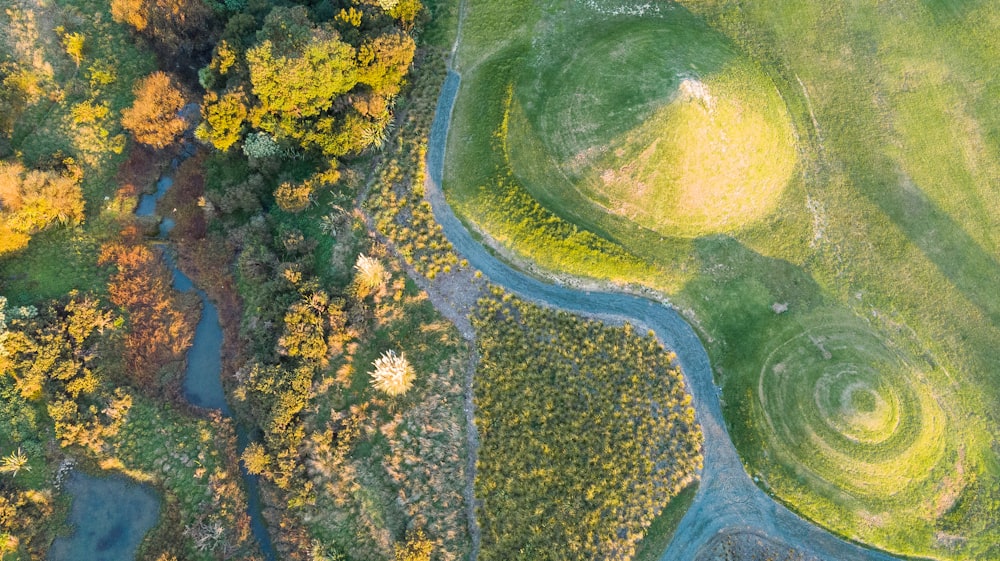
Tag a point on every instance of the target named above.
point(661, 531)
point(881, 240)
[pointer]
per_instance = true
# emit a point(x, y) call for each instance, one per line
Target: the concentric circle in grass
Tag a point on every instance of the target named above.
point(851, 412)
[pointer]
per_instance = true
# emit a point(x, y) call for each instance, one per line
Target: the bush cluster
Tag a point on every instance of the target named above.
point(397, 199)
point(586, 433)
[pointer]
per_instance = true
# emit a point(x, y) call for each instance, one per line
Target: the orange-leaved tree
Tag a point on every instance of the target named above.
point(154, 117)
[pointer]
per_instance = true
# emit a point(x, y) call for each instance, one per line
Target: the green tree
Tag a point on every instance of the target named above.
point(223, 119)
point(73, 43)
point(297, 72)
point(384, 61)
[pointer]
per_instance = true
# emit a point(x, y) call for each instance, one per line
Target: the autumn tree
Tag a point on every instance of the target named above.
point(74, 44)
point(19, 89)
point(131, 12)
point(23, 514)
point(255, 458)
point(293, 197)
point(31, 200)
point(407, 12)
point(154, 117)
point(54, 355)
point(157, 331)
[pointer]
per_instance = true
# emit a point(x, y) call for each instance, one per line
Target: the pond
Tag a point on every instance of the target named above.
point(110, 515)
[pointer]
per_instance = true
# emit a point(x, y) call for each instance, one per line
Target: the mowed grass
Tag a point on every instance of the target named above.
point(881, 243)
point(695, 141)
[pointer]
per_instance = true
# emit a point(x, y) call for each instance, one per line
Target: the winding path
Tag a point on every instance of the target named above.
point(727, 500)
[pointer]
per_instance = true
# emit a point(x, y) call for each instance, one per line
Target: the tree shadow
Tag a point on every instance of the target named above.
point(743, 298)
point(959, 257)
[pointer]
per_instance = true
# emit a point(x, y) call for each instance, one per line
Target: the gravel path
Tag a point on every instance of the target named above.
point(727, 500)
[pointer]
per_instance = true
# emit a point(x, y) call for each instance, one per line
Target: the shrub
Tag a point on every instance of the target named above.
point(393, 374)
point(260, 145)
point(416, 548)
point(371, 276)
point(14, 462)
point(293, 197)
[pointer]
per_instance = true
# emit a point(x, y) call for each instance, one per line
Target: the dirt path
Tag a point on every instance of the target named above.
point(727, 501)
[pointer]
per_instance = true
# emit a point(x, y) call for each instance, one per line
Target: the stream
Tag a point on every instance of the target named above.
point(112, 514)
point(203, 375)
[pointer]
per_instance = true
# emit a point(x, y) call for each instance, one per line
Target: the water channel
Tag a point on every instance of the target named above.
point(112, 514)
point(202, 378)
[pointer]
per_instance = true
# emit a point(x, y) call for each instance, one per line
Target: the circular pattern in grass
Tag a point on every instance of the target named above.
point(657, 120)
point(842, 407)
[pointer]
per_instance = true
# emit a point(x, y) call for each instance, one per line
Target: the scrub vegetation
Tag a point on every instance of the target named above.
point(351, 379)
point(586, 433)
point(831, 241)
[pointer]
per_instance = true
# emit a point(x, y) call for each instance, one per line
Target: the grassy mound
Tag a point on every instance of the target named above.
point(849, 411)
point(696, 140)
point(845, 414)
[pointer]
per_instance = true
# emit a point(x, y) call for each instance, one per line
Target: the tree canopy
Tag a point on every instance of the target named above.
point(154, 117)
point(31, 200)
point(322, 85)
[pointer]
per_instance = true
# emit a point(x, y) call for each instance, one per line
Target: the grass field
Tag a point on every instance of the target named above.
point(840, 159)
